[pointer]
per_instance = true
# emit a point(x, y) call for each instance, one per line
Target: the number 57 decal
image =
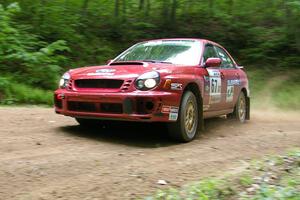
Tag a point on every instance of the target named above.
point(215, 86)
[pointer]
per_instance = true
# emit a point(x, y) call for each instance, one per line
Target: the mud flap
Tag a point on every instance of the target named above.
point(247, 108)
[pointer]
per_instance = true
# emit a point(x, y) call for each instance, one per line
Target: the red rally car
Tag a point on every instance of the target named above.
point(177, 81)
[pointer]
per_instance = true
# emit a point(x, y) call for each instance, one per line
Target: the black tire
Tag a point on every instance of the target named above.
point(240, 109)
point(187, 124)
point(87, 122)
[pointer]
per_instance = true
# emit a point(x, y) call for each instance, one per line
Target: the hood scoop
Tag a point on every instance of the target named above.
point(126, 63)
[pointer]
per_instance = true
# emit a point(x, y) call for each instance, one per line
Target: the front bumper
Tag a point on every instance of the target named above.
point(133, 106)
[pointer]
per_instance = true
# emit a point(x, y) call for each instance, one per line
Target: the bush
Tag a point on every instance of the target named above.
point(23, 55)
point(12, 92)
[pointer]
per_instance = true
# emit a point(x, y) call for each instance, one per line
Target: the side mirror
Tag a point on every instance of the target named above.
point(213, 62)
point(108, 62)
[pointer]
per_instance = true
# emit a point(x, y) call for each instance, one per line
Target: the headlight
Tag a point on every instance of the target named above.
point(64, 80)
point(147, 81)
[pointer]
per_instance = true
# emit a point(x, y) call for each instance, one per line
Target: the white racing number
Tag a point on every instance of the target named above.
point(229, 95)
point(215, 86)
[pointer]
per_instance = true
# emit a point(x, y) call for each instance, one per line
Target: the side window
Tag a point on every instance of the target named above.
point(209, 52)
point(226, 60)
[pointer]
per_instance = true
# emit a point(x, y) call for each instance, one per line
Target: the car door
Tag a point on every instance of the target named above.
point(231, 78)
point(214, 92)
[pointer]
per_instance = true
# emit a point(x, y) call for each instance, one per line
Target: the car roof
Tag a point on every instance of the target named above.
point(170, 39)
point(205, 41)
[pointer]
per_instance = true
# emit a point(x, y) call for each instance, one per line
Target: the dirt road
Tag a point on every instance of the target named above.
point(47, 156)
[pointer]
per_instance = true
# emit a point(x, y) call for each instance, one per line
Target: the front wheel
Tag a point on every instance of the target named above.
point(186, 126)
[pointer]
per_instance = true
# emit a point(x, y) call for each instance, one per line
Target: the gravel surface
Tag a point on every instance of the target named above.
point(48, 156)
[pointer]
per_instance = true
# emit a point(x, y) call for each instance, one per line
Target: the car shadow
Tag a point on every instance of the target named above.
point(144, 135)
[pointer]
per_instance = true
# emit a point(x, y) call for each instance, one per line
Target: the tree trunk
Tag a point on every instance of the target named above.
point(165, 10)
point(41, 13)
point(141, 5)
point(173, 11)
point(211, 7)
point(124, 10)
point(117, 5)
point(230, 6)
point(85, 6)
point(148, 7)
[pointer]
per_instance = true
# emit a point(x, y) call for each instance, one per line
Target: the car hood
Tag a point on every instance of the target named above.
point(124, 70)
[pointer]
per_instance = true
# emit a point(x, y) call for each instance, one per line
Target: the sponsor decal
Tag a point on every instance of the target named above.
point(233, 82)
point(214, 72)
point(104, 72)
point(165, 109)
point(172, 110)
point(229, 93)
point(176, 86)
point(230, 89)
point(173, 116)
point(173, 113)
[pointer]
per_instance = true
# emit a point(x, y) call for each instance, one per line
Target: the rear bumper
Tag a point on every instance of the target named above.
point(149, 106)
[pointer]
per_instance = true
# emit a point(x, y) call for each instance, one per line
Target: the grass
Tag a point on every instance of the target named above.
point(12, 93)
point(280, 87)
point(287, 94)
point(276, 177)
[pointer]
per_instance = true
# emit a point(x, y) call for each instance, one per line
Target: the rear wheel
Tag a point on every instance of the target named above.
point(186, 126)
point(240, 108)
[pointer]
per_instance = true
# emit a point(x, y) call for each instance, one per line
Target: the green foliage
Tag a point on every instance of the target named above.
point(283, 185)
point(246, 180)
point(255, 31)
point(276, 192)
point(12, 92)
point(23, 55)
point(203, 190)
point(39, 39)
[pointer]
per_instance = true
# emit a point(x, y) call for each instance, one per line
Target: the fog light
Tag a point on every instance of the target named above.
point(140, 83)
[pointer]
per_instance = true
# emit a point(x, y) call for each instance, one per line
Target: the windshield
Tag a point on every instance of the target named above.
point(182, 52)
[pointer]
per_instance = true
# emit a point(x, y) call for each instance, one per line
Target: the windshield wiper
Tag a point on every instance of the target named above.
point(156, 61)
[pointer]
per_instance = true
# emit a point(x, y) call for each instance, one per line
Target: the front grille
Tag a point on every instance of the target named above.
point(115, 108)
point(99, 83)
point(111, 108)
point(82, 106)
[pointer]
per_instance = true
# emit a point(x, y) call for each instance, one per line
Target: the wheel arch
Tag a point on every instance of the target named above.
point(194, 87)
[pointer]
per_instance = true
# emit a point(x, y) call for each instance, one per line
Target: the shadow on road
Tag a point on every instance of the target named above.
point(145, 135)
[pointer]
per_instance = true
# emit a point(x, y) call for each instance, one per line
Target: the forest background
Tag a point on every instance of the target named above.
point(40, 39)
